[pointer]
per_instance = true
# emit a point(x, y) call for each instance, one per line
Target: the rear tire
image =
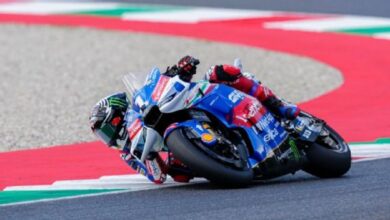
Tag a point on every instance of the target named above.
point(325, 162)
point(204, 165)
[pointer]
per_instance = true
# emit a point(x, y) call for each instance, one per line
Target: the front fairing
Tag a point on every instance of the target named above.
point(135, 126)
point(168, 93)
point(142, 96)
point(143, 140)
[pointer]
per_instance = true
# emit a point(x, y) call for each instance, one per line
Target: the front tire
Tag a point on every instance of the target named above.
point(204, 165)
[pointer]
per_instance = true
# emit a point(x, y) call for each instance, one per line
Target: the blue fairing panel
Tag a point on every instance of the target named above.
point(265, 136)
point(143, 97)
point(218, 103)
point(196, 128)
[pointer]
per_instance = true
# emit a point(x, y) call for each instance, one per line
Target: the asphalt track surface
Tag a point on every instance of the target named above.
point(379, 8)
point(364, 193)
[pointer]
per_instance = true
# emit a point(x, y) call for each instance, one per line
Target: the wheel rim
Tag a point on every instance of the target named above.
point(224, 151)
point(333, 141)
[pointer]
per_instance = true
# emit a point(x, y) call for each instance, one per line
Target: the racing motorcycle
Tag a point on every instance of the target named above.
point(225, 135)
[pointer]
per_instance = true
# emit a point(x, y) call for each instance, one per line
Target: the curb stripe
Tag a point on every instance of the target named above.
point(83, 188)
point(134, 182)
point(41, 8)
point(383, 36)
point(330, 24)
point(7, 197)
point(128, 9)
point(196, 15)
point(367, 31)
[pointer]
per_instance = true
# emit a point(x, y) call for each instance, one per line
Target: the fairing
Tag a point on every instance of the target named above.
point(236, 110)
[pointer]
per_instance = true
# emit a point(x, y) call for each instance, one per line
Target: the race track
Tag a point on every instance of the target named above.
point(362, 194)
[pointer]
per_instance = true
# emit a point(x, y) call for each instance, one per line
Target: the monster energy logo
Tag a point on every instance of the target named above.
point(117, 102)
point(294, 149)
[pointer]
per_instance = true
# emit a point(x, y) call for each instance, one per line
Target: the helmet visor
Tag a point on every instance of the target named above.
point(107, 134)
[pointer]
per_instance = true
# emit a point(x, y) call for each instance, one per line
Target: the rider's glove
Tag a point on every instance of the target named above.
point(187, 67)
point(171, 71)
point(223, 74)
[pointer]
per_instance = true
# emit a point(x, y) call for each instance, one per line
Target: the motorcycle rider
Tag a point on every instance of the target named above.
point(108, 121)
point(232, 76)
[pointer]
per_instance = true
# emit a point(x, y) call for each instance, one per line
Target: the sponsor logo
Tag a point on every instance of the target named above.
point(162, 83)
point(253, 109)
point(307, 134)
point(235, 96)
point(112, 101)
point(207, 138)
point(154, 169)
point(265, 121)
point(294, 149)
point(134, 128)
point(199, 127)
point(272, 134)
point(300, 125)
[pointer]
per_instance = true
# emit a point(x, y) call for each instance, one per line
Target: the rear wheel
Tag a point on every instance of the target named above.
point(227, 167)
point(330, 156)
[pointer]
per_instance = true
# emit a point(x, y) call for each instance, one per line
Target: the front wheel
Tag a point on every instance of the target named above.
point(329, 156)
point(203, 164)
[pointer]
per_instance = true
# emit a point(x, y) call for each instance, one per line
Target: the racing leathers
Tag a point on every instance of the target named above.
point(233, 77)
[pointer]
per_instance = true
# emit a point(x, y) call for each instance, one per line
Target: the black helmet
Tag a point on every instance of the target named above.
point(107, 120)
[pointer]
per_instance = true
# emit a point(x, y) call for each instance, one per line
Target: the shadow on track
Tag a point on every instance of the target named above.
point(298, 178)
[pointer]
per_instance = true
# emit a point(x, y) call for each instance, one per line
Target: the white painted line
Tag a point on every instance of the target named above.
point(383, 36)
point(196, 15)
point(370, 150)
point(329, 24)
point(125, 177)
point(370, 159)
point(52, 7)
point(79, 187)
point(129, 182)
point(95, 182)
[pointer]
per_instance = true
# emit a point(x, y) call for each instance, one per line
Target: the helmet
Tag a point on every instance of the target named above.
point(107, 120)
point(187, 67)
